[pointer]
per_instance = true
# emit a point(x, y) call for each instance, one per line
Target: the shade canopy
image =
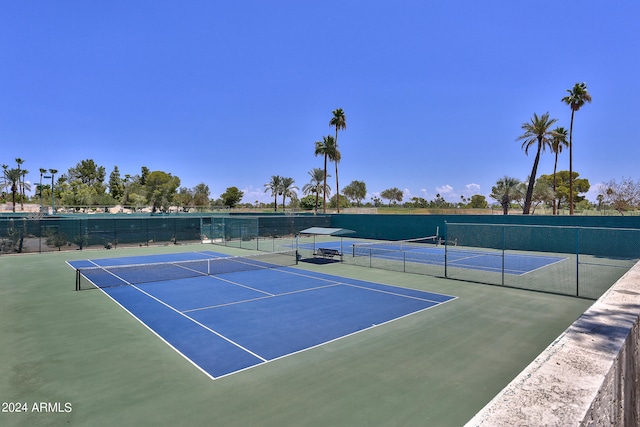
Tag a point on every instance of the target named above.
point(326, 231)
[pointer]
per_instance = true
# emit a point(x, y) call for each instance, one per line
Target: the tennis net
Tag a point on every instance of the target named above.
point(96, 277)
point(381, 247)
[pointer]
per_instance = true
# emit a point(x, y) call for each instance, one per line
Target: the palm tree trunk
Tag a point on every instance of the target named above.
point(337, 189)
point(532, 180)
point(13, 196)
point(22, 194)
point(571, 164)
point(505, 205)
point(324, 192)
point(555, 167)
point(337, 186)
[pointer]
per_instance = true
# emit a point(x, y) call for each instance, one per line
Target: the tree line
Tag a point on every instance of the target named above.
point(84, 185)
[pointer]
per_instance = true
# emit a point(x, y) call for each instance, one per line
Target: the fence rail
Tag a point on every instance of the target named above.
point(576, 261)
point(46, 234)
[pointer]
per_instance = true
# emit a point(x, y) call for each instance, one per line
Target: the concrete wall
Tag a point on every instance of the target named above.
point(589, 376)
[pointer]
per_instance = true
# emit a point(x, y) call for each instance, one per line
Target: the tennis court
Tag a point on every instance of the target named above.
point(82, 351)
point(226, 314)
point(427, 252)
point(433, 367)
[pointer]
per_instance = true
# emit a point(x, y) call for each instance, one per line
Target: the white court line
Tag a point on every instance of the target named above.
point(343, 336)
point(394, 293)
point(368, 281)
point(159, 336)
point(110, 272)
point(338, 282)
point(330, 283)
point(242, 285)
point(260, 298)
point(200, 324)
point(543, 266)
point(185, 316)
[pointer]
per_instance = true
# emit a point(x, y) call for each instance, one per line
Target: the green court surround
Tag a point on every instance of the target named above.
point(436, 368)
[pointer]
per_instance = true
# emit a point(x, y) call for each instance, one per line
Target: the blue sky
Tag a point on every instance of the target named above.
point(230, 93)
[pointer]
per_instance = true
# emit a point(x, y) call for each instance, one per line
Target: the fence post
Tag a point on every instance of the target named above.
point(446, 244)
point(503, 244)
point(577, 261)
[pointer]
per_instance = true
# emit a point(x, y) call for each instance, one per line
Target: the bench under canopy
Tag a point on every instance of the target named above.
point(326, 231)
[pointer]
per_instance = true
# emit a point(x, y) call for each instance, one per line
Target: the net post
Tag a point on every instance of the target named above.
point(297, 254)
point(78, 280)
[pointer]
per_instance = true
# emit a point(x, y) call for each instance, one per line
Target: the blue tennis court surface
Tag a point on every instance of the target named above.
point(228, 322)
point(456, 257)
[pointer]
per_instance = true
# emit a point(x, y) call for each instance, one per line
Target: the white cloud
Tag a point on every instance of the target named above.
point(594, 190)
point(251, 194)
point(424, 194)
point(472, 189)
point(32, 186)
point(444, 190)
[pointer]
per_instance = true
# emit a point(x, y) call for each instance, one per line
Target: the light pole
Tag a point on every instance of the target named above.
point(53, 200)
point(47, 177)
point(53, 173)
point(42, 172)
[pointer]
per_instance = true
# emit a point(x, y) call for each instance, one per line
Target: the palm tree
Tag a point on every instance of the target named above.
point(339, 120)
point(577, 97)
point(25, 186)
point(11, 180)
point(315, 186)
point(286, 189)
point(505, 191)
point(42, 172)
point(19, 161)
point(326, 147)
point(536, 133)
point(5, 181)
point(335, 156)
point(558, 142)
point(275, 185)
